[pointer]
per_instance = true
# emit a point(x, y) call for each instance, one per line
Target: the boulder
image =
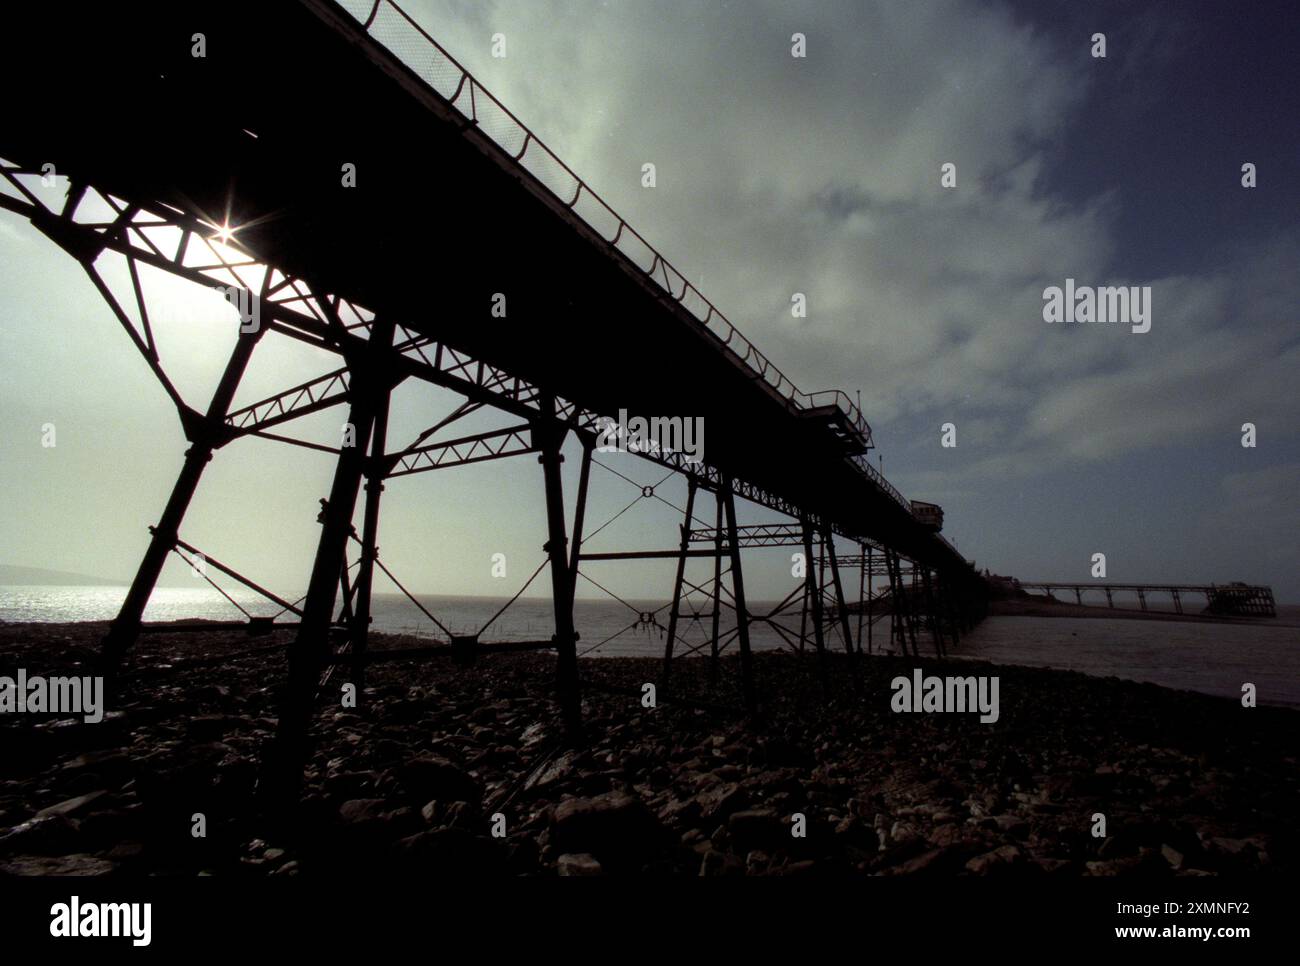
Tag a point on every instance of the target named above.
point(362, 809)
point(432, 776)
point(999, 860)
point(758, 828)
point(719, 801)
point(615, 827)
point(578, 863)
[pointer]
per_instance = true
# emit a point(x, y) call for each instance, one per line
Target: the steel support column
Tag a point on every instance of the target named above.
point(912, 614)
point(867, 565)
point(580, 514)
point(717, 591)
point(205, 434)
point(369, 549)
point(684, 544)
point(936, 631)
point(814, 594)
point(828, 541)
point(562, 584)
point(862, 585)
point(738, 593)
point(311, 645)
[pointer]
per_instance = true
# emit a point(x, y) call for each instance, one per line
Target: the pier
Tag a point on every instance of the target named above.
point(228, 178)
point(1222, 600)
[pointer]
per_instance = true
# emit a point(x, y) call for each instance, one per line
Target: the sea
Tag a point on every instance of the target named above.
point(1213, 658)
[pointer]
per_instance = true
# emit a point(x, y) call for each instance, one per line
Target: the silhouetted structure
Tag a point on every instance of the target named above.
point(1226, 600)
point(455, 207)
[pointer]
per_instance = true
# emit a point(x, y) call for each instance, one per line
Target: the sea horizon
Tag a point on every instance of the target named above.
point(1211, 658)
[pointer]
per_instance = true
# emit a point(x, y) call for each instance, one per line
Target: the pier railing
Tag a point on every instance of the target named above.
point(396, 31)
point(390, 26)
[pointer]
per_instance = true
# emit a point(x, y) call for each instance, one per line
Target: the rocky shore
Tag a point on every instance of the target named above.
point(437, 758)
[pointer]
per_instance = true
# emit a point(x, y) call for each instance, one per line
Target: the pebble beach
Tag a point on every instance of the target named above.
point(463, 771)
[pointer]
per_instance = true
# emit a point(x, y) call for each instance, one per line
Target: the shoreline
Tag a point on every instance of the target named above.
point(1189, 784)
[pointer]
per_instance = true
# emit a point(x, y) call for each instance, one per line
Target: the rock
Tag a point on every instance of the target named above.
point(903, 833)
point(925, 861)
point(78, 864)
point(804, 867)
point(615, 827)
point(1234, 846)
point(210, 727)
point(125, 851)
point(1012, 825)
point(432, 776)
point(855, 832)
point(402, 821)
point(758, 828)
point(362, 809)
point(51, 835)
point(718, 802)
point(714, 862)
point(105, 828)
point(72, 806)
point(998, 860)
point(523, 855)
point(557, 770)
point(578, 863)
point(779, 753)
point(947, 835)
point(1172, 856)
point(350, 784)
point(465, 814)
point(450, 852)
point(1048, 864)
point(1113, 867)
point(680, 812)
point(108, 764)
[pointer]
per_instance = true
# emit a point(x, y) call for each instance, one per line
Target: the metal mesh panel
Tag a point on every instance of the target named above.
point(549, 170)
point(597, 214)
point(497, 123)
point(392, 29)
point(358, 9)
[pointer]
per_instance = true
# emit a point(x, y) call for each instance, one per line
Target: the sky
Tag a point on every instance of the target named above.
point(818, 175)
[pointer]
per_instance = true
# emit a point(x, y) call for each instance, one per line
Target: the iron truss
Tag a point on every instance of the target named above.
point(379, 353)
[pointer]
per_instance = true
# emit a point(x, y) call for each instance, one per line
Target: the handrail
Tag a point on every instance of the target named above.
point(471, 100)
point(448, 78)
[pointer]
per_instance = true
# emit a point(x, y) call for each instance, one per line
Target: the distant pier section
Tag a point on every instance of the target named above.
point(1221, 600)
